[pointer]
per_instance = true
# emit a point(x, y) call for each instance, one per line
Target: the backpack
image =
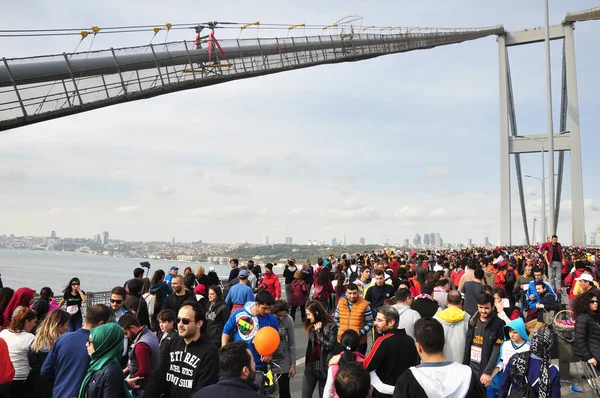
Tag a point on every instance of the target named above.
point(510, 276)
point(522, 391)
point(318, 293)
point(353, 274)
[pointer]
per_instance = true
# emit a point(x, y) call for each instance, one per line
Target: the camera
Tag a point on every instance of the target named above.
point(145, 264)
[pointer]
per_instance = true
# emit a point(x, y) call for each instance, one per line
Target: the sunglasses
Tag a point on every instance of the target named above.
point(116, 301)
point(185, 321)
point(594, 301)
point(75, 284)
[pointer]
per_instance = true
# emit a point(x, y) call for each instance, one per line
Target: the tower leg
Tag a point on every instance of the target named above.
point(505, 216)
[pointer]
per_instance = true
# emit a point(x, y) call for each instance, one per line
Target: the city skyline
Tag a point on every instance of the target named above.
point(396, 157)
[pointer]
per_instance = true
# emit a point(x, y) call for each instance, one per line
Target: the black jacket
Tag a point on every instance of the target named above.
point(327, 339)
point(391, 355)
point(425, 307)
point(184, 369)
point(216, 317)
point(164, 342)
point(175, 302)
point(229, 387)
point(288, 274)
point(37, 385)
point(550, 304)
point(587, 337)
point(160, 292)
point(493, 335)
point(107, 382)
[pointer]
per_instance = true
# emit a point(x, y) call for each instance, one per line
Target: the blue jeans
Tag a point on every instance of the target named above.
point(554, 274)
point(75, 324)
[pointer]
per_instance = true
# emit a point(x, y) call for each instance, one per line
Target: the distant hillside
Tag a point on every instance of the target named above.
point(278, 253)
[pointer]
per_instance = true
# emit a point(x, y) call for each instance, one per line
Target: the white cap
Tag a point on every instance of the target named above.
point(585, 277)
point(211, 269)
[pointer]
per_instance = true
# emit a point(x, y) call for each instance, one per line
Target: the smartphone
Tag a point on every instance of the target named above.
point(505, 303)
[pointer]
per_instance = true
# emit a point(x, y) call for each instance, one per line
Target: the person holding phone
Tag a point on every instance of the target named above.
point(72, 298)
point(505, 310)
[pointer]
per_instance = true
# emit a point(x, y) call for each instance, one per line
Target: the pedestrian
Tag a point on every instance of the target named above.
point(136, 303)
point(7, 370)
point(407, 316)
point(245, 322)
point(288, 274)
point(73, 296)
point(117, 302)
point(352, 381)
point(383, 358)
point(298, 293)
point(160, 289)
point(455, 323)
point(238, 373)
point(68, 359)
point(544, 310)
point(18, 337)
point(104, 377)
point(166, 323)
point(23, 298)
point(531, 373)
point(6, 294)
point(144, 355)
point(191, 361)
point(436, 376)
point(270, 281)
point(354, 313)
point(213, 278)
point(424, 303)
point(234, 262)
point(322, 338)
point(553, 254)
point(483, 339)
point(377, 293)
point(283, 363)
point(350, 342)
point(43, 305)
point(173, 271)
point(240, 293)
point(586, 344)
point(217, 315)
point(323, 287)
point(48, 331)
point(179, 297)
point(201, 277)
point(471, 290)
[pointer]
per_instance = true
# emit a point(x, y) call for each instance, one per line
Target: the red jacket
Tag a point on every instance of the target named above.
point(273, 286)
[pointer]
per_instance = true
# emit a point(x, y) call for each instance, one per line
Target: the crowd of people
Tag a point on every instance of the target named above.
point(452, 323)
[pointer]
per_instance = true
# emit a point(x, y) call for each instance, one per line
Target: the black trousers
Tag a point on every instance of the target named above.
point(284, 385)
point(310, 381)
point(362, 348)
point(302, 312)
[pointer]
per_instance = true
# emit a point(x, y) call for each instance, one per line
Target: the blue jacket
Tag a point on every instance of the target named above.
point(533, 375)
point(239, 294)
point(531, 290)
point(67, 363)
point(244, 326)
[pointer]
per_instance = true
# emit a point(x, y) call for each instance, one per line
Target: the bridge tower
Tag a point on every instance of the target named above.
point(566, 139)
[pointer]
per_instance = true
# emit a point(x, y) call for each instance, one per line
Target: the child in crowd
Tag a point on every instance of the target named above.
point(516, 340)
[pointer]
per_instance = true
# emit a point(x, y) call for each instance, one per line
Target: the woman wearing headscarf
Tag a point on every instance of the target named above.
point(7, 370)
point(533, 370)
point(104, 377)
point(23, 297)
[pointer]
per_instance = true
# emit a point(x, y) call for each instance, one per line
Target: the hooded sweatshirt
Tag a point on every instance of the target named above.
point(509, 348)
point(439, 380)
point(455, 322)
point(185, 369)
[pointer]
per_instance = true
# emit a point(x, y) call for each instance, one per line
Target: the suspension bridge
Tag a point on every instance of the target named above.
point(41, 88)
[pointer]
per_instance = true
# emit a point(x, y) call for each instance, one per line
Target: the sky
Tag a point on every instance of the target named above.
point(383, 148)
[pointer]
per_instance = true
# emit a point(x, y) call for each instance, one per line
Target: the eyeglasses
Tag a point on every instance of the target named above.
point(594, 301)
point(185, 321)
point(75, 284)
point(116, 301)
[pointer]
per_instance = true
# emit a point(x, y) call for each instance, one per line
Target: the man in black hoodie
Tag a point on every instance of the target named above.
point(180, 295)
point(237, 374)
point(191, 361)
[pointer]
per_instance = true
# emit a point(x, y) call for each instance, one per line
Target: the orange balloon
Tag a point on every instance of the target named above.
point(266, 341)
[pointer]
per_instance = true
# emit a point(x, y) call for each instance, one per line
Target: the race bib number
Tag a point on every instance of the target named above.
point(476, 354)
point(72, 309)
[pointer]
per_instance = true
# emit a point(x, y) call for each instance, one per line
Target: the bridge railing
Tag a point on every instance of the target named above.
point(41, 88)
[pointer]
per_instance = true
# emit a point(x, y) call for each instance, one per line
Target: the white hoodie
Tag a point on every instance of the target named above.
point(455, 322)
point(448, 381)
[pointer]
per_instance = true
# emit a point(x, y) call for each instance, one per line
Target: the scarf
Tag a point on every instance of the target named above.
point(21, 298)
point(424, 296)
point(541, 345)
point(108, 346)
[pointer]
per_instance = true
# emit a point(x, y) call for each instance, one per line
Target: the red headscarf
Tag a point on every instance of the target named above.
point(22, 297)
point(7, 370)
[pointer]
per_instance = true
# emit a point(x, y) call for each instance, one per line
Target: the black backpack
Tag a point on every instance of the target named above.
point(353, 274)
point(522, 391)
point(510, 276)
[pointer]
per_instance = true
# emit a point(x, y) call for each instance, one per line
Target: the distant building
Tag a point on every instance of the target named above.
point(265, 240)
point(98, 239)
point(53, 235)
point(173, 241)
point(334, 242)
point(343, 239)
point(432, 238)
point(406, 242)
point(593, 237)
point(426, 239)
point(387, 241)
point(105, 238)
point(470, 243)
point(487, 242)
point(417, 240)
point(288, 240)
point(361, 241)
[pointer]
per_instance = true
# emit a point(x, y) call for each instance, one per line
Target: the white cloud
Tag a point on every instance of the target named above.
point(441, 171)
point(296, 212)
point(352, 210)
point(127, 209)
point(55, 210)
point(167, 191)
point(255, 165)
point(223, 189)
